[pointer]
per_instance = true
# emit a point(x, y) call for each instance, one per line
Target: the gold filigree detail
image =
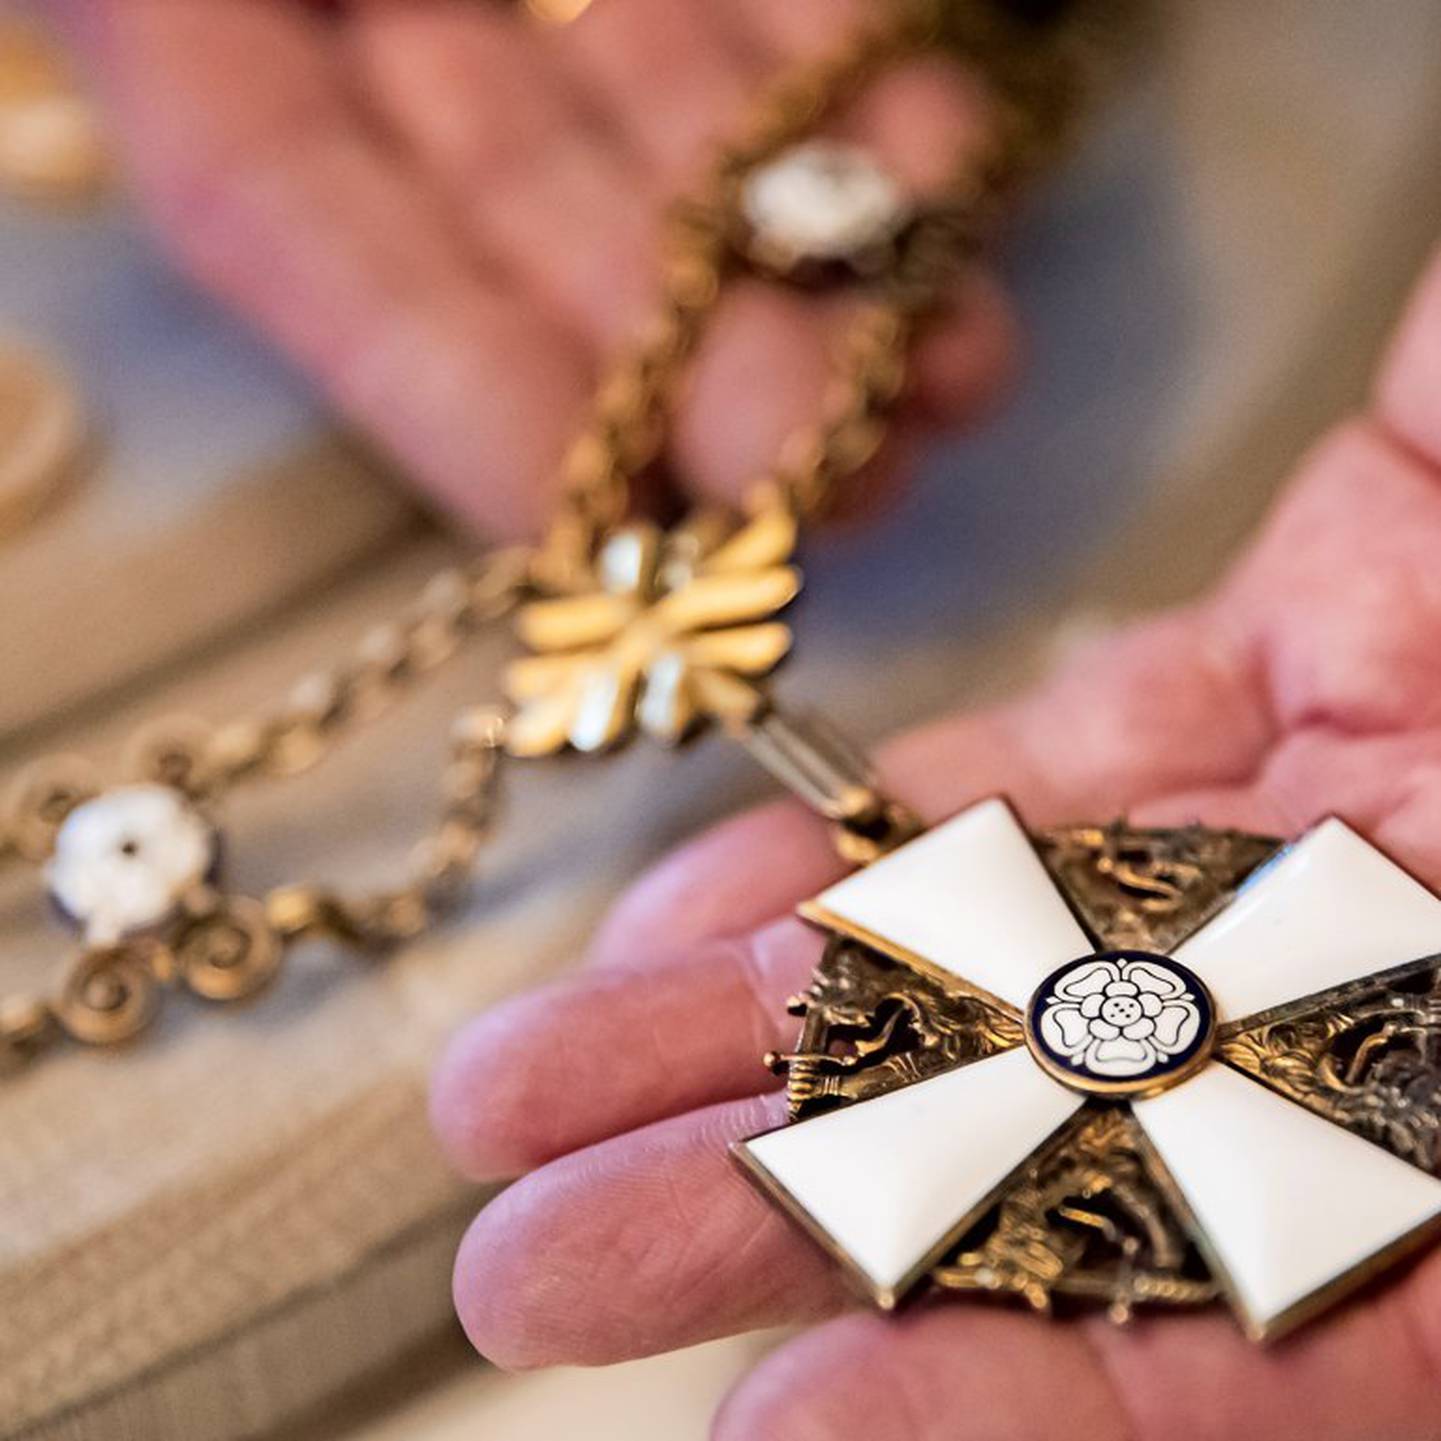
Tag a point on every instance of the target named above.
point(218, 947)
point(872, 1024)
point(1148, 889)
point(113, 992)
point(1085, 1219)
point(668, 631)
point(1369, 1061)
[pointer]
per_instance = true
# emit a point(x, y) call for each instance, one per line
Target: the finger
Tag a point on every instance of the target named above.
point(1338, 600)
point(970, 359)
point(1388, 786)
point(1248, 807)
point(612, 1050)
point(802, 29)
point(922, 119)
point(532, 177)
point(693, 897)
point(1369, 1370)
point(960, 1374)
point(952, 1374)
point(672, 76)
point(644, 1243)
point(807, 29)
point(278, 197)
point(1406, 395)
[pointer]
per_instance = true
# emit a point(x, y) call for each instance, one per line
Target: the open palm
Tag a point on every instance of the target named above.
point(446, 213)
point(1310, 682)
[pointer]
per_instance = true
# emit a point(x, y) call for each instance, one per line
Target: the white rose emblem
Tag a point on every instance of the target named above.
point(1119, 1017)
point(124, 861)
point(823, 201)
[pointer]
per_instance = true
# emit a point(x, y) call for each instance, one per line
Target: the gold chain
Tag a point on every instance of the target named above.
point(204, 762)
point(627, 426)
point(1033, 80)
point(679, 587)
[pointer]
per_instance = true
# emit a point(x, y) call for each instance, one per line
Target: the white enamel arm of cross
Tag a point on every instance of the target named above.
point(1285, 1205)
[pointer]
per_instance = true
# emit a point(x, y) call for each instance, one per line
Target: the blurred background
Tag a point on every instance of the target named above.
point(242, 1228)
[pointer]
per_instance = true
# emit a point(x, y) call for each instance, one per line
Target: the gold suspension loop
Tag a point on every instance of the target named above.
point(824, 771)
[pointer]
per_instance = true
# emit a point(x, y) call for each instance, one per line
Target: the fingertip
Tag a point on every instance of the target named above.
point(922, 118)
point(1410, 380)
point(490, 1291)
point(970, 361)
point(640, 1244)
point(481, 1092)
point(757, 330)
point(784, 1397)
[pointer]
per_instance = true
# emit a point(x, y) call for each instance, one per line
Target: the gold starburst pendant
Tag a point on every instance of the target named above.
point(1119, 1066)
point(667, 630)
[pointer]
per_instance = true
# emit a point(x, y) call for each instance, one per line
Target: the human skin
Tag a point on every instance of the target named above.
point(1307, 682)
point(446, 215)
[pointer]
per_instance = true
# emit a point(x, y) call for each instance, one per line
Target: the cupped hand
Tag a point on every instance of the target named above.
point(447, 213)
point(1310, 682)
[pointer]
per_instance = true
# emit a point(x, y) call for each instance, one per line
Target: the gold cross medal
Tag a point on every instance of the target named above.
point(1117, 1066)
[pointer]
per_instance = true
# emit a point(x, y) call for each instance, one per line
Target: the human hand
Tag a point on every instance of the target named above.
point(447, 213)
point(1309, 682)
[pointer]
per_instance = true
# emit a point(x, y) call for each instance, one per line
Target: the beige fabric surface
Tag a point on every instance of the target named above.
point(203, 1236)
point(137, 597)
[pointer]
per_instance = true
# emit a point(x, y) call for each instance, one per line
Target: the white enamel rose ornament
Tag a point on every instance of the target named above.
point(822, 202)
point(124, 861)
point(1120, 1016)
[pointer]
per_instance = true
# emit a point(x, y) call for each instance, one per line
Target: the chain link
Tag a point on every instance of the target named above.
point(109, 995)
point(442, 865)
point(205, 761)
point(231, 946)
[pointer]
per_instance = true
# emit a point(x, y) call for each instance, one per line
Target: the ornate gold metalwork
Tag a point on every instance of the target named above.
point(667, 634)
point(1365, 1058)
point(1085, 1219)
point(205, 761)
point(871, 1025)
point(42, 436)
point(1147, 889)
point(1088, 1217)
point(113, 993)
point(813, 762)
point(1035, 75)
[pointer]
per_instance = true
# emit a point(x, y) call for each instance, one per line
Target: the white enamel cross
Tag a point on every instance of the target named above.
point(1284, 1205)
